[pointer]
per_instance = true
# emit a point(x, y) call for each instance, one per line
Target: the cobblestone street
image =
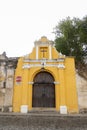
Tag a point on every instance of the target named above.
point(42, 122)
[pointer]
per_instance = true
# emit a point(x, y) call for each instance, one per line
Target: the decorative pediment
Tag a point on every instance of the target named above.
point(43, 42)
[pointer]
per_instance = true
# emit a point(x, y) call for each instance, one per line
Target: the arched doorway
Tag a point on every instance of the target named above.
point(43, 90)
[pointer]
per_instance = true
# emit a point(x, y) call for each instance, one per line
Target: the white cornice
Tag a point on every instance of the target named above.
point(27, 66)
point(44, 60)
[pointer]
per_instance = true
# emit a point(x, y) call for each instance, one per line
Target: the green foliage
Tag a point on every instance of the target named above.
point(83, 30)
point(71, 38)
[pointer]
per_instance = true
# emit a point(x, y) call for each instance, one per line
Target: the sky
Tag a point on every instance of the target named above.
point(22, 22)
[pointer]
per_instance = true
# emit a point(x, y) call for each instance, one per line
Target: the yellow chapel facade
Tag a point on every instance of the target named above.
point(45, 79)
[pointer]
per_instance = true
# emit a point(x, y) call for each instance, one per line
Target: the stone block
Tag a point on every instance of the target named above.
point(63, 109)
point(24, 109)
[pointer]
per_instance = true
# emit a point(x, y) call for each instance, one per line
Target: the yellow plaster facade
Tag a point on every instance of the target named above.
point(45, 59)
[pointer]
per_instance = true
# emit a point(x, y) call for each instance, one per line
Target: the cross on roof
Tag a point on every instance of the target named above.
point(43, 50)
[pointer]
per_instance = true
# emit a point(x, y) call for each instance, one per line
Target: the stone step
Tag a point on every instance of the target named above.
point(29, 122)
point(44, 111)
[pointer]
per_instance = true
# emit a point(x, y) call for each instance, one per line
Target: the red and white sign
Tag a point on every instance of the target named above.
point(18, 79)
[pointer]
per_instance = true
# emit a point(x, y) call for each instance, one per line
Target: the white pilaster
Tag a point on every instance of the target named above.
point(36, 52)
point(50, 52)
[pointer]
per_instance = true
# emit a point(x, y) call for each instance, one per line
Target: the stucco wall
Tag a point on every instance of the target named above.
point(82, 91)
point(7, 68)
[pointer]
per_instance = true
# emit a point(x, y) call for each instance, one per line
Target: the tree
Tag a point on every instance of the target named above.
point(71, 38)
point(83, 29)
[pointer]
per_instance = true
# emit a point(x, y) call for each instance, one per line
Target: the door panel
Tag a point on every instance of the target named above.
point(43, 90)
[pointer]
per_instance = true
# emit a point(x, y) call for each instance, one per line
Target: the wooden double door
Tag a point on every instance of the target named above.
point(43, 90)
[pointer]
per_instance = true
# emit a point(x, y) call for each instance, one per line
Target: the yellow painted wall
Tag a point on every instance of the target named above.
point(60, 67)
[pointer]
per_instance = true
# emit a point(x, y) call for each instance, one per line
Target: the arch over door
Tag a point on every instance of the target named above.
point(43, 90)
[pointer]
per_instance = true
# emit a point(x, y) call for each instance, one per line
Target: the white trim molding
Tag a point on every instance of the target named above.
point(26, 66)
point(56, 82)
point(61, 66)
point(47, 60)
point(43, 63)
point(30, 83)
